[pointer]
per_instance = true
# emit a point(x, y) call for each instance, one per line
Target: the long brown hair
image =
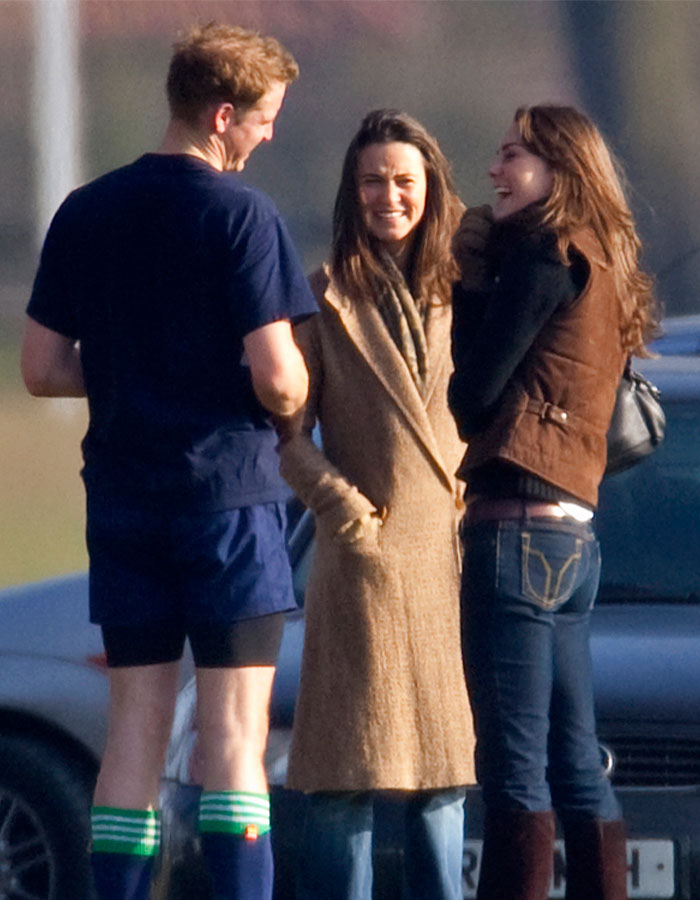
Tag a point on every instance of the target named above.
point(588, 192)
point(355, 266)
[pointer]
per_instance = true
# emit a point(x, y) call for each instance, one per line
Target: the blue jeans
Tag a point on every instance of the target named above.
point(336, 850)
point(528, 589)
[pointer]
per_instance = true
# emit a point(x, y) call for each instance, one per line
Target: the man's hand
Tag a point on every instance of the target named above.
point(469, 246)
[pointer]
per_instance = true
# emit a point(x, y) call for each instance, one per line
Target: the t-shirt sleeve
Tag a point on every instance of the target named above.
point(50, 303)
point(267, 282)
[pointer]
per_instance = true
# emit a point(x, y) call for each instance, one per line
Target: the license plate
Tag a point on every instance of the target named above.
point(650, 868)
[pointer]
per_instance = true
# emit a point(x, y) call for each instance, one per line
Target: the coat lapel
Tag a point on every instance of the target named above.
point(438, 334)
point(366, 329)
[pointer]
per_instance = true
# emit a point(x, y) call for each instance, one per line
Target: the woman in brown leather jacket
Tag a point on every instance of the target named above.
point(550, 304)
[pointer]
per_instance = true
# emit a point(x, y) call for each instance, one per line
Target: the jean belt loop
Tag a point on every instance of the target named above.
point(524, 514)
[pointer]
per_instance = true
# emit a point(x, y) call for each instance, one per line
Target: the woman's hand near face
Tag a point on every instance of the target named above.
point(469, 246)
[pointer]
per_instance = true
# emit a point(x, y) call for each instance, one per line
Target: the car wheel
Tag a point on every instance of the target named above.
point(44, 824)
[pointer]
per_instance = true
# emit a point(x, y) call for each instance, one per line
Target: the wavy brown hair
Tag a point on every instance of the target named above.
point(355, 265)
point(588, 192)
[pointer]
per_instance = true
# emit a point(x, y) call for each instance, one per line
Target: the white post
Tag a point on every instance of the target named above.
point(56, 122)
point(55, 107)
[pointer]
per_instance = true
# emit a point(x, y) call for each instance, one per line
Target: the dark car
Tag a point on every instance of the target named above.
point(645, 644)
point(53, 724)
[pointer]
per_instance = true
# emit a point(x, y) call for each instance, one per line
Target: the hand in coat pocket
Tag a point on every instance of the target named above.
point(362, 529)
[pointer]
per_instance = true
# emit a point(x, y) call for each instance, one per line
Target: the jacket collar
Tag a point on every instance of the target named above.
point(366, 329)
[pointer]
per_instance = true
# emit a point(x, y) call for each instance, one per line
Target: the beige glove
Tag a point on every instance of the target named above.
point(469, 246)
point(367, 526)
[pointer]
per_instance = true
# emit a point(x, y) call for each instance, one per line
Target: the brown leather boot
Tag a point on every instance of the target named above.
point(596, 860)
point(517, 857)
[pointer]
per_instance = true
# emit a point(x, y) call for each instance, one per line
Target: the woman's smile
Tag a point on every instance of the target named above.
point(392, 187)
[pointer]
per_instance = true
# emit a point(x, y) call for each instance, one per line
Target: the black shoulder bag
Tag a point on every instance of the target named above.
point(638, 422)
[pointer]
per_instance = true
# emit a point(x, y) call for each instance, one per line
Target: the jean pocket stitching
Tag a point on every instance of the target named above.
point(551, 597)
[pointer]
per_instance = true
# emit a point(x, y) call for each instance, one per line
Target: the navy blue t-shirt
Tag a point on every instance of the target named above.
point(160, 269)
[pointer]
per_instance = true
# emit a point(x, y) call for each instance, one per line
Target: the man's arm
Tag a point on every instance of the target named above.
point(50, 363)
point(277, 367)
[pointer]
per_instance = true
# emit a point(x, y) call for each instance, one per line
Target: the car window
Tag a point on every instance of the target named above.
point(648, 519)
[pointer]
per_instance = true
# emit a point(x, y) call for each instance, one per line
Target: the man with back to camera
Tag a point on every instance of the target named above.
point(166, 294)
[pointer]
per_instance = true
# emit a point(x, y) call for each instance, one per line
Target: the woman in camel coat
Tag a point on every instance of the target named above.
point(382, 704)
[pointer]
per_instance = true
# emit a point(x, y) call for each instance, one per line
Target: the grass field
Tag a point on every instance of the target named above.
point(42, 518)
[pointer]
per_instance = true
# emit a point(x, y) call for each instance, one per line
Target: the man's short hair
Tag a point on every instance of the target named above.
point(217, 63)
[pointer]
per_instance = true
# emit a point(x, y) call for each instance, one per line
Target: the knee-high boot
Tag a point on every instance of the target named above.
point(596, 860)
point(517, 857)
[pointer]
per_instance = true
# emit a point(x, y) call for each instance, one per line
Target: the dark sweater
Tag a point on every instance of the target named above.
point(494, 328)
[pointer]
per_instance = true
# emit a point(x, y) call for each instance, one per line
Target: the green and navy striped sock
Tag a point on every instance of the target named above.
point(132, 831)
point(235, 835)
point(234, 812)
point(124, 846)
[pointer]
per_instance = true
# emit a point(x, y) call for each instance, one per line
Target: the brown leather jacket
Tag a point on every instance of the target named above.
point(555, 410)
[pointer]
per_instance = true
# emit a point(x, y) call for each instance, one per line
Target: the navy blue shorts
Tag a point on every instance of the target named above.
point(150, 567)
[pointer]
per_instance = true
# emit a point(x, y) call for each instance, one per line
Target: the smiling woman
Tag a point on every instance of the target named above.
point(551, 303)
point(378, 709)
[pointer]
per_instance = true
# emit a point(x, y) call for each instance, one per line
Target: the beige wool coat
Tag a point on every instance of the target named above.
point(382, 702)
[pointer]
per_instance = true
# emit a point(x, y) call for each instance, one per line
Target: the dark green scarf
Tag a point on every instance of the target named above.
point(404, 322)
